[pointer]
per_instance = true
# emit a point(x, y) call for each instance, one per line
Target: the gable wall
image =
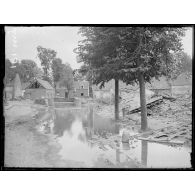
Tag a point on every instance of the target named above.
point(39, 93)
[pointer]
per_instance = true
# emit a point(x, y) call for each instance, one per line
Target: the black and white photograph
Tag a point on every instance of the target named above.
point(98, 97)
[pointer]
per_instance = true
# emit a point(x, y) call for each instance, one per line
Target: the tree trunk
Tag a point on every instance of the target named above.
point(90, 89)
point(144, 124)
point(13, 92)
point(116, 99)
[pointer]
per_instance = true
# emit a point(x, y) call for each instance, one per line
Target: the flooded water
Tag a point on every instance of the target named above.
point(77, 129)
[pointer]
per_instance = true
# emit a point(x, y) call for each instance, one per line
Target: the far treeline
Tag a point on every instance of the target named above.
point(52, 69)
point(132, 55)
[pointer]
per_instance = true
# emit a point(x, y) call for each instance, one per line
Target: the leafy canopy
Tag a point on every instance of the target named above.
point(182, 63)
point(26, 69)
point(46, 57)
point(67, 79)
point(62, 73)
point(125, 52)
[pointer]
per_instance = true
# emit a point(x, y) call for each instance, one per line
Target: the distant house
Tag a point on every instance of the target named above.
point(63, 92)
point(181, 85)
point(39, 89)
point(81, 89)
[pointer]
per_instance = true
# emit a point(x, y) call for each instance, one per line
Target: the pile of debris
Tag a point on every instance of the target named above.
point(131, 99)
point(180, 108)
point(169, 135)
point(163, 106)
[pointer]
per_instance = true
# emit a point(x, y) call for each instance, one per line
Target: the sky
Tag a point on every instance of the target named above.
point(21, 42)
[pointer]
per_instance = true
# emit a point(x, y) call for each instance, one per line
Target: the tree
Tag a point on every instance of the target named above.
point(130, 54)
point(38, 72)
point(46, 57)
point(78, 75)
point(62, 73)
point(66, 78)
point(57, 70)
point(182, 63)
point(9, 72)
point(94, 51)
point(27, 69)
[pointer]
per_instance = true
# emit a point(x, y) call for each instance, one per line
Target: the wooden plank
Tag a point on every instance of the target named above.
point(179, 142)
point(148, 105)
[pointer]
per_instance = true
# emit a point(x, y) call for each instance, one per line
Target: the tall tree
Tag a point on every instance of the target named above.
point(26, 69)
point(66, 78)
point(57, 70)
point(99, 47)
point(62, 73)
point(130, 54)
point(46, 57)
point(181, 63)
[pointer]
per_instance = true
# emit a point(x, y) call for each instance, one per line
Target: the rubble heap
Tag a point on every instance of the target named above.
point(180, 109)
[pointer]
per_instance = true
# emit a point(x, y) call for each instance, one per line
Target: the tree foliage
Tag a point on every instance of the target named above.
point(78, 75)
point(67, 79)
point(57, 69)
point(62, 73)
point(124, 52)
point(46, 57)
point(9, 72)
point(182, 63)
point(27, 69)
point(130, 54)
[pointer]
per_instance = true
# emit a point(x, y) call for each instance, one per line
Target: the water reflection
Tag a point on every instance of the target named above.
point(144, 153)
point(76, 128)
point(118, 155)
point(126, 146)
point(62, 121)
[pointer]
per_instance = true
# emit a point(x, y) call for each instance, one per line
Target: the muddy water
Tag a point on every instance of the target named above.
point(74, 129)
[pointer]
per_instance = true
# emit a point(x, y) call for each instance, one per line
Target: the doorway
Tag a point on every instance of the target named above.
point(66, 94)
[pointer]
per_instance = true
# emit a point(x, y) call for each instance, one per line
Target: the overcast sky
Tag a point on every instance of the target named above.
point(21, 42)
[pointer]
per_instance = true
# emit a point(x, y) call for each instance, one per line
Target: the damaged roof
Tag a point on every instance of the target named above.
point(43, 83)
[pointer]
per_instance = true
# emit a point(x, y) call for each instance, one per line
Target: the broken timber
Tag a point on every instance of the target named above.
point(169, 98)
point(167, 135)
point(151, 103)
